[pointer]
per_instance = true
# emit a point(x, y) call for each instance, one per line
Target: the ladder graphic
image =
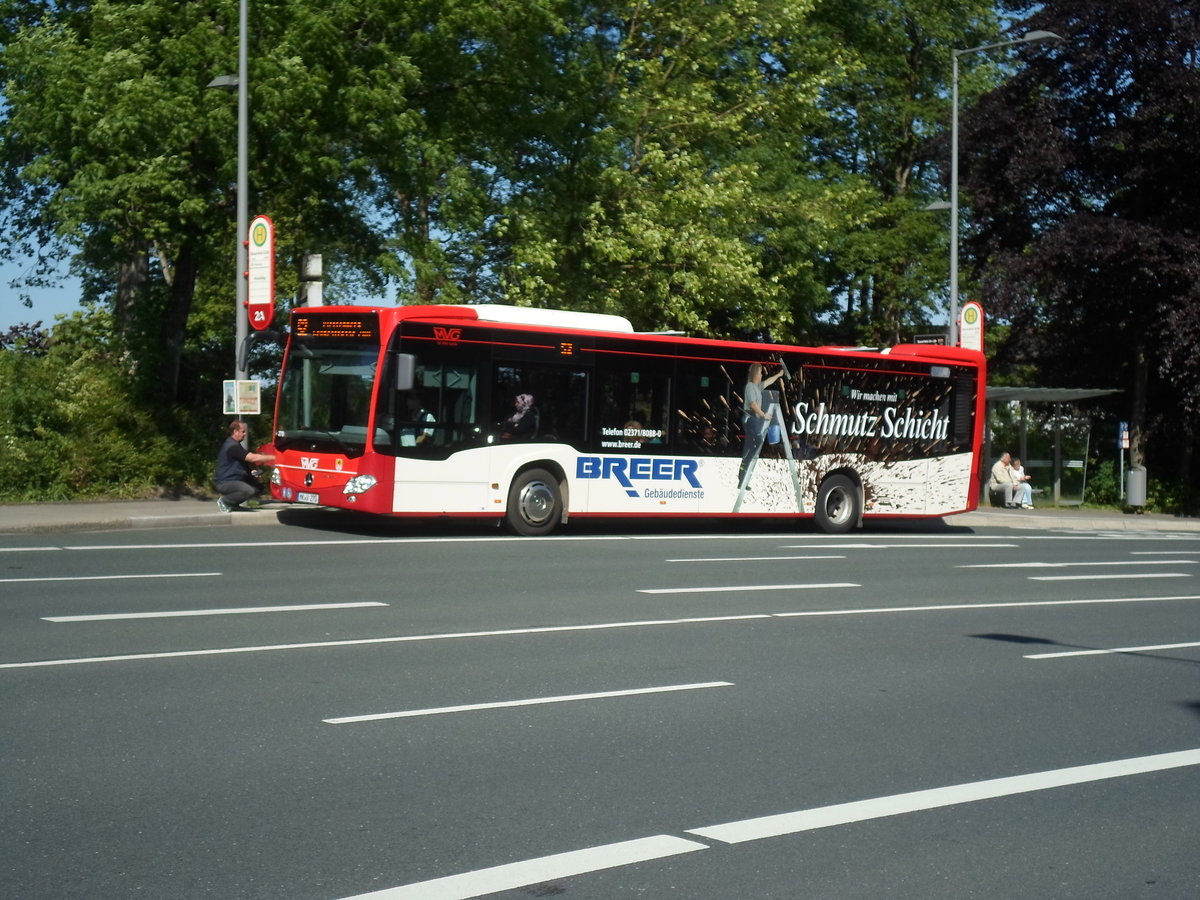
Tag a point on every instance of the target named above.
point(775, 411)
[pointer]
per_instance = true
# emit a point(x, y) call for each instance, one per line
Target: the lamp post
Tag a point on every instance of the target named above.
point(1032, 37)
point(241, 82)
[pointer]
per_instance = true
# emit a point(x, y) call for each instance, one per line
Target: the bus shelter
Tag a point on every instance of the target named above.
point(1023, 396)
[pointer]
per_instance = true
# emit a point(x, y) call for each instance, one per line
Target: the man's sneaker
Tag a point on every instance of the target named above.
point(222, 505)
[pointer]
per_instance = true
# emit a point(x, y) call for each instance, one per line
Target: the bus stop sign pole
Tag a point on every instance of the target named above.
point(260, 273)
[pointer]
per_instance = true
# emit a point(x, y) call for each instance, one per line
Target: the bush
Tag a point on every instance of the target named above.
point(1172, 497)
point(1103, 483)
point(72, 426)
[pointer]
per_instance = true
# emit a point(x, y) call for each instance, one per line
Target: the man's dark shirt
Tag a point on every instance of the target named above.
point(231, 462)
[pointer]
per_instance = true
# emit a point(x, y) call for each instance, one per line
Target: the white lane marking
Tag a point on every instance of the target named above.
point(529, 872)
point(27, 549)
point(183, 613)
point(534, 871)
point(536, 701)
point(740, 588)
point(562, 629)
point(956, 545)
point(1145, 649)
point(1005, 605)
point(399, 639)
point(843, 546)
point(966, 540)
point(1164, 552)
point(700, 559)
point(254, 545)
point(1078, 565)
point(1069, 565)
point(108, 577)
point(443, 539)
point(1124, 577)
point(916, 801)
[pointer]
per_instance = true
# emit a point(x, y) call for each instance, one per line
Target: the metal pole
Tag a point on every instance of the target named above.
point(240, 313)
point(953, 324)
point(1032, 37)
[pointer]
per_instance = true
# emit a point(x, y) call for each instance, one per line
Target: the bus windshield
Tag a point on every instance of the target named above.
point(325, 397)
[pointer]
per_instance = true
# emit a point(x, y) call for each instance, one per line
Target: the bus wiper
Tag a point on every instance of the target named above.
point(302, 435)
point(341, 445)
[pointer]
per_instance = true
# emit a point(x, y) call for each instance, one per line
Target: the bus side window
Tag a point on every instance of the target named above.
point(707, 410)
point(557, 407)
point(633, 403)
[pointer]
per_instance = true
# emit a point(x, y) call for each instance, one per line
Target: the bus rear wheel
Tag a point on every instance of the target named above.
point(837, 505)
point(534, 503)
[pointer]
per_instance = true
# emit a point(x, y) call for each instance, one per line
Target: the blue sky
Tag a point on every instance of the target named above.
point(47, 302)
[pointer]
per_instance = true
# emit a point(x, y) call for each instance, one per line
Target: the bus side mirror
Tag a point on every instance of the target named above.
point(406, 367)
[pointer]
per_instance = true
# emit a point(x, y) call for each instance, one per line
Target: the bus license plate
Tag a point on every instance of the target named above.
point(308, 498)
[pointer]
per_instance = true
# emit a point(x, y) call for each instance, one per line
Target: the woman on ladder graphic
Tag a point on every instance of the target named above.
point(755, 419)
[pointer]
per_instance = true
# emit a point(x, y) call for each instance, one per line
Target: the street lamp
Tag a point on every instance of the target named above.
point(1032, 37)
point(241, 82)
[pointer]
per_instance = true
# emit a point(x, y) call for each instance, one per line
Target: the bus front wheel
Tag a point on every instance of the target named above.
point(837, 505)
point(534, 503)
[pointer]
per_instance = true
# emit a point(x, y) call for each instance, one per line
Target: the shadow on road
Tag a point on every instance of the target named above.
point(1030, 639)
point(348, 522)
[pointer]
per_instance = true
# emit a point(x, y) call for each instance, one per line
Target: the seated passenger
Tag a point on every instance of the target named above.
point(522, 424)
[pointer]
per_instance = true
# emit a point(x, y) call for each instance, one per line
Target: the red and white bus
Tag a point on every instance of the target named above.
point(536, 416)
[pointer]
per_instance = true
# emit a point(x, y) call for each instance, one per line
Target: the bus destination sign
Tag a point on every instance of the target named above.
point(363, 327)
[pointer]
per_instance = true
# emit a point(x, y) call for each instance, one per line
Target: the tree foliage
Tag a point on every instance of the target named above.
point(72, 425)
point(880, 136)
point(693, 166)
point(1085, 178)
point(751, 168)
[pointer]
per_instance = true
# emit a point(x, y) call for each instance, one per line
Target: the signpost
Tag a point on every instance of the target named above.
point(970, 333)
point(260, 273)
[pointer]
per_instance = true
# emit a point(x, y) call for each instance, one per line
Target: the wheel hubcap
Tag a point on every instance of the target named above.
point(537, 502)
point(836, 506)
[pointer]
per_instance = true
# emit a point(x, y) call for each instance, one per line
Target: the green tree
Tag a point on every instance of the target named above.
point(1083, 170)
point(106, 131)
point(685, 197)
point(883, 137)
point(116, 149)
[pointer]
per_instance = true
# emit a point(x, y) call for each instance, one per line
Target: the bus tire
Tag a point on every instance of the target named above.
point(837, 509)
point(534, 503)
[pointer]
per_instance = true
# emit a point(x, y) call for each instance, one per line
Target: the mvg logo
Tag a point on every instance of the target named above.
point(446, 335)
point(309, 462)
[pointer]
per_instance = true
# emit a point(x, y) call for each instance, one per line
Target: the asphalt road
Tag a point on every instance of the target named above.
point(423, 712)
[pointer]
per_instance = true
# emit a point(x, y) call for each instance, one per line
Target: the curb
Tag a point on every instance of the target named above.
point(110, 521)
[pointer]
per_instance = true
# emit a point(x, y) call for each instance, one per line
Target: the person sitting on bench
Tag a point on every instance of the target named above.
point(1022, 489)
point(1001, 481)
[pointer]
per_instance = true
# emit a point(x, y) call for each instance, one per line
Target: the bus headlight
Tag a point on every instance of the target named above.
point(276, 478)
point(359, 484)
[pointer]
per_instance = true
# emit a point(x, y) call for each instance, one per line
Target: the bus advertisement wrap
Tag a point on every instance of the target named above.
point(534, 417)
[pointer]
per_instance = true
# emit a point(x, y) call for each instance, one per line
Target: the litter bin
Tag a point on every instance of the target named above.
point(1135, 486)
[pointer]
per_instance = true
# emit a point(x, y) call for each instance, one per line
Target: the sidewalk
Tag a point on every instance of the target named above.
point(33, 518)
